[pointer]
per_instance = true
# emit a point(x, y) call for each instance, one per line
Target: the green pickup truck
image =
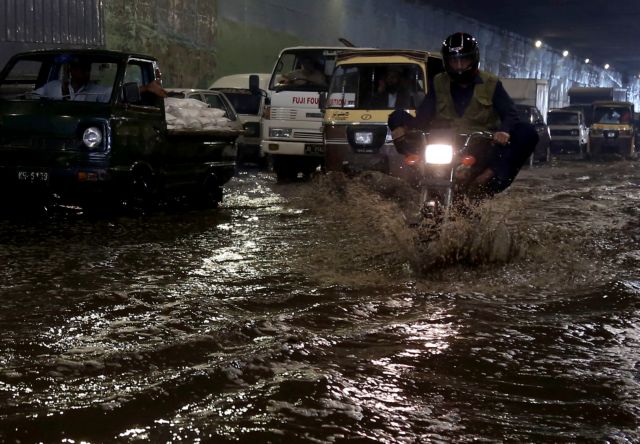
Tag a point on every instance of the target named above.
point(98, 137)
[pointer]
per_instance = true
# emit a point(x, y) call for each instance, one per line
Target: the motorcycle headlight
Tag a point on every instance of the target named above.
point(92, 137)
point(439, 154)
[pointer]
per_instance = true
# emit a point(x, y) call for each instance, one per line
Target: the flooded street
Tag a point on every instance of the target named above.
point(310, 312)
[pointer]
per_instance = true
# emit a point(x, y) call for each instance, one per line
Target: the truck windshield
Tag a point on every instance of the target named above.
point(60, 77)
point(303, 70)
point(377, 86)
point(562, 119)
point(612, 115)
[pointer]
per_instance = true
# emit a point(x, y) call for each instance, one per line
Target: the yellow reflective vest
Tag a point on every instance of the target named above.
point(479, 115)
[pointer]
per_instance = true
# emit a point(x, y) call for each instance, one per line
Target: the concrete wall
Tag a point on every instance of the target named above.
point(180, 33)
point(198, 41)
point(253, 31)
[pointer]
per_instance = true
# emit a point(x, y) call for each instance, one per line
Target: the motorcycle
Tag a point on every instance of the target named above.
point(444, 166)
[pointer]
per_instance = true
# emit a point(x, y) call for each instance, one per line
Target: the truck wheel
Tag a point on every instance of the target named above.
point(582, 152)
point(210, 193)
point(141, 193)
point(587, 154)
point(284, 168)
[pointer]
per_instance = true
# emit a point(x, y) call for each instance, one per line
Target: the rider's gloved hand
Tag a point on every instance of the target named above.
point(501, 137)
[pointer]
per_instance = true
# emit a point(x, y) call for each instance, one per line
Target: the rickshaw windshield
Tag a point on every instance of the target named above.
point(377, 86)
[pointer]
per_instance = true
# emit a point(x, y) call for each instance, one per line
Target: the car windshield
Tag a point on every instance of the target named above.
point(562, 119)
point(612, 115)
point(377, 86)
point(243, 101)
point(303, 70)
point(69, 77)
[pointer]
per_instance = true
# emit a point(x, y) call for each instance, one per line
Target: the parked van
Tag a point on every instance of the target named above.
point(249, 107)
point(358, 105)
point(612, 130)
point(569, 132)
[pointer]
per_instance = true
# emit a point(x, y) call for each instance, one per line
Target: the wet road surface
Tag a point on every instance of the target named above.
point(310, 312)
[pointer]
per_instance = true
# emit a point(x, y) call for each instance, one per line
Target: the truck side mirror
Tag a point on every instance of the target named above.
point(322, 101)
point(131, 93)
point(254, 84)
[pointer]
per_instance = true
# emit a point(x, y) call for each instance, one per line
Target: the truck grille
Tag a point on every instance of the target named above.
point(283, 114)
point(307, 135)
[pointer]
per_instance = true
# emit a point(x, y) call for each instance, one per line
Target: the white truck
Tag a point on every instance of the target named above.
point(531, 97)
point(292, 122)
point(249, 106)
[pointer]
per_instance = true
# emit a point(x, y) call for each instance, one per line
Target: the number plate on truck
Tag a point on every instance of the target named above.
point(33, 176)
point(314, 148)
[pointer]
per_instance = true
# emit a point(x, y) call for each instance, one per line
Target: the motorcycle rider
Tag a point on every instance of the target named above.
point(467, 99)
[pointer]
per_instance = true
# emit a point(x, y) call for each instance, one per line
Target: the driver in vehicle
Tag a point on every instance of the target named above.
point(467, 99)
point(309, 73)
point(75, 85)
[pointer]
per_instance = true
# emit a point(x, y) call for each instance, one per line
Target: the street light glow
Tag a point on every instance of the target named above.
point(606, 66)
point(587, 60)
point(538, 43)
point(565, 53)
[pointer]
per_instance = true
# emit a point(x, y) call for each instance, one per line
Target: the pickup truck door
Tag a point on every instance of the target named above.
point(139, 129)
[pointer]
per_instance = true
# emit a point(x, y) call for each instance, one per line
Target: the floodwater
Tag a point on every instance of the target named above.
point(310, 312)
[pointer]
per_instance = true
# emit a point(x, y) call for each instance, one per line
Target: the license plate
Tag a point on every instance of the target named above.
point(610, 134)
point(33, 176)
point(313, 148)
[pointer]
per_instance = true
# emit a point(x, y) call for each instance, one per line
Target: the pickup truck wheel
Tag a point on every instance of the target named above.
point(141, 192)
point(210, 194)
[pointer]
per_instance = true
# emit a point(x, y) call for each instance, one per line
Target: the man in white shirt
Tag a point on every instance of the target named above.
point(76, 86)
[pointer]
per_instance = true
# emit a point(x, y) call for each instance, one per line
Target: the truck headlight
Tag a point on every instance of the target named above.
point(439, 154)
point(92, 137)
point(364, 138)
point(281, 133)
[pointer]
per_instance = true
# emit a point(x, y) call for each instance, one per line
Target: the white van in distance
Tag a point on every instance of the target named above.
point(249, 106)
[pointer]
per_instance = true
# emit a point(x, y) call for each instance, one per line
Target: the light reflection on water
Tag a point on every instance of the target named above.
point(298, 312)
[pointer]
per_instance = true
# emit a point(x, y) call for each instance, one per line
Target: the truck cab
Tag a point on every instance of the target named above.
point(360, 100)
point(104, 142)
point(292, 122)
point(612, 132)
point(569, 132)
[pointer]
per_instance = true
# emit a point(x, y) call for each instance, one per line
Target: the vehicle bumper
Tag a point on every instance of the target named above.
point(68, 185)
point(560, 145)
point(286, 148)
point(601, 146)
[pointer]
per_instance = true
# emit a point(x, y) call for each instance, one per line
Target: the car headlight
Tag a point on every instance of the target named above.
point(439, 154)
point(364, 138)
point(574, 132)
point(92, 137)
point(252, 129)
point(282, 133)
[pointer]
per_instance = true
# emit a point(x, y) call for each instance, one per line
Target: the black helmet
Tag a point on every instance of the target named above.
point(457, 46)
